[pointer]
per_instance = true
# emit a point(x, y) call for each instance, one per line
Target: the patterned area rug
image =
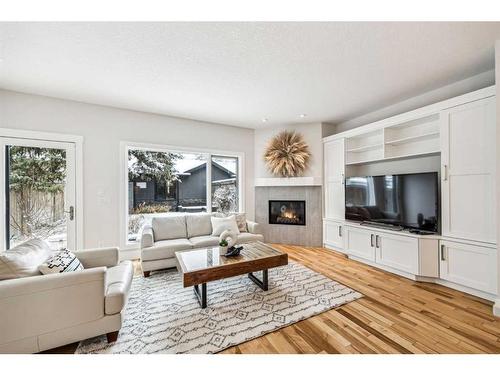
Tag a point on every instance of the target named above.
point(163, 317)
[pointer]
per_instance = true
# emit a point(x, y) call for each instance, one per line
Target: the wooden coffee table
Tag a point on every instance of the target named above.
point(200, 266)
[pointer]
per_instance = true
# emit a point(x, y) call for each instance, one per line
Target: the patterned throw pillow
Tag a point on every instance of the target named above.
point(62, 261)
point(241, 220)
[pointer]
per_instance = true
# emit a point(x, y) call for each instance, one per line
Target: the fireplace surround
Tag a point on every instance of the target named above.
point(287, 212)
point(309, 234)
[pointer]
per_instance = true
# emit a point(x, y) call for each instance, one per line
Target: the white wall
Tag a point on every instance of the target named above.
point(313, 134)
point(103, 128)
point(446, 92)
point(496, 308)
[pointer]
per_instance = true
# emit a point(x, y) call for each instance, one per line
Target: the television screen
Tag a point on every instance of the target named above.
point(409, 200)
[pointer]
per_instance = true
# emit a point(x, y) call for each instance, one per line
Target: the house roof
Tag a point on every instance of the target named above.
point(214, 164)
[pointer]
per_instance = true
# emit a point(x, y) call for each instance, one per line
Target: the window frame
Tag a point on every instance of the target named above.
point(123, 196)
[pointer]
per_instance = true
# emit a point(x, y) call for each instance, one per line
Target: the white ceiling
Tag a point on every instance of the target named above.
point(240, 73)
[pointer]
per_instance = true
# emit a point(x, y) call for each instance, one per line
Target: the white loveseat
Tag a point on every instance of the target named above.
point(46, 311)
point(168, 234)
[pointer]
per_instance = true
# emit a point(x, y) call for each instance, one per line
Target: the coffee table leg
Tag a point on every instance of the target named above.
point(264, 283)
point(202, 295)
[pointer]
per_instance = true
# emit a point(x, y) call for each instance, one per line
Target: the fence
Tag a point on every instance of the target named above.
point(35, 213)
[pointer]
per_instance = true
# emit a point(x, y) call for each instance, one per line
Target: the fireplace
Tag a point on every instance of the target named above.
point(287, 212)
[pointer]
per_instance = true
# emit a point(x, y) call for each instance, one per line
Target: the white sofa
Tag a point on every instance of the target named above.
point(46, 311)
point(168, 234)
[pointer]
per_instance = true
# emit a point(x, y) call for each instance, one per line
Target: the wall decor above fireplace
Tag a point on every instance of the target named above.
point(287, 212)
point(287, 154)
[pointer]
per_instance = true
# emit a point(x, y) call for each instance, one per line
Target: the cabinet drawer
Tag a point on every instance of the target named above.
point(398, 252)
point(360, 243)
point(469, 265)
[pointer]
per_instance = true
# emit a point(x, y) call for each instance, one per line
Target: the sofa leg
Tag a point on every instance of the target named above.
point(112, 336)
point(147, 273)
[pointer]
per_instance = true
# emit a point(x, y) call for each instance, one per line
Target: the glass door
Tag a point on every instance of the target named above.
point(38, 195)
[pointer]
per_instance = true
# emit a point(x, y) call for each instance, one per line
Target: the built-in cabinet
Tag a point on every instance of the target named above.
point(462, 131)
point(468, 171)
point(403, 253)
point(360, 243)
point(334, 179)
point(469, 265)
point(333, 232)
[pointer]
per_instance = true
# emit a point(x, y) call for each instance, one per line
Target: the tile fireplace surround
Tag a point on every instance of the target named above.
point(305, 235)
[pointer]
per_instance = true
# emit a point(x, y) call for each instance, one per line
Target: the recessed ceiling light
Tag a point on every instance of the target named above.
point(302, 115)
point(265, 119)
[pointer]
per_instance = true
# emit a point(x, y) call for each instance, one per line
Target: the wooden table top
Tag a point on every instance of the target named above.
point(203, 265)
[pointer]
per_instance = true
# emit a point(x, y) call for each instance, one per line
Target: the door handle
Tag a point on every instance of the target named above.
point(71, 213)
point(377, 245)
point(371, 240)
point(340, 231)
point(442, 253)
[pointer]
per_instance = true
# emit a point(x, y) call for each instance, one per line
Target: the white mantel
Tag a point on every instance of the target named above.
point(289, 181)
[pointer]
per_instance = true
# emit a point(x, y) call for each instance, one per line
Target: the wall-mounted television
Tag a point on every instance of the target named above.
point(407, 200)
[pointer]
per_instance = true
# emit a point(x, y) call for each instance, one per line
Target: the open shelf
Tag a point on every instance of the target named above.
point(363, 147)
point(433, 134)
point(366, 148)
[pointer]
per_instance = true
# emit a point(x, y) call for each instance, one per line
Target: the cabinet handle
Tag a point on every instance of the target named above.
point(445, 177)
point(371, 240)
point(343, 179)
point(377, 245)
point(442, 253)
point(340, 231)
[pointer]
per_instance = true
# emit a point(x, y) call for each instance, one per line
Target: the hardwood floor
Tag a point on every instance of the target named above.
point(396, 315)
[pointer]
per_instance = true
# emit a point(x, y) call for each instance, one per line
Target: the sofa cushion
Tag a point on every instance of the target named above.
point(204, 241)
point(220, 224)
point(165, 249)
point(61, 261)
point(169, 227)
point(249, 237)
point(198, 225)
point(24, 259)
point(118, 281)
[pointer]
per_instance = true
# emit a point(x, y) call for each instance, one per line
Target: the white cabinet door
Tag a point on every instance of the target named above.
point(333, 233)
point(469, 265)
point(360, 243)
point(468, 171)
point(396, 251)
point(334, 200)
point(334, 160)
point(334, 179)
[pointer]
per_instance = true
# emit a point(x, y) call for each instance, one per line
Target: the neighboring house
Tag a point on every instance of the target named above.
point(190, 191)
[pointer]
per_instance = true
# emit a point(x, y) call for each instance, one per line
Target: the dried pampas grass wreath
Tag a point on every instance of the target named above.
point(287, 154)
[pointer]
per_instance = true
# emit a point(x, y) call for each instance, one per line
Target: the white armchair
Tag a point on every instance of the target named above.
point(42, 312)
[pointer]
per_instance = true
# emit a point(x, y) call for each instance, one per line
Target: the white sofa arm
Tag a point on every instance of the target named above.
point(147, 237)
point(253, 227)
point(104, 257)
point(34, 305)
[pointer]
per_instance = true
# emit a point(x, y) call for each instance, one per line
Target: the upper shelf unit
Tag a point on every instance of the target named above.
point(417, 137)
point(365, 147)
point(411, 138)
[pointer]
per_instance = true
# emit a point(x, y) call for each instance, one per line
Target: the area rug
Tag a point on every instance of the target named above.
point(163, 317)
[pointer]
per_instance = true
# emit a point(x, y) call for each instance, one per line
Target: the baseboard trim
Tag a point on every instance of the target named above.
point(496, 308)
point(460, 288)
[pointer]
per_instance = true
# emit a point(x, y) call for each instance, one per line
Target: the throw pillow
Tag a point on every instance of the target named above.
point(62, 261)
point(23, 260)
point(241, 220)
point(220, 224)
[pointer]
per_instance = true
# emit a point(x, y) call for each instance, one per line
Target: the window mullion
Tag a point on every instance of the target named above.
point(209, 183)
